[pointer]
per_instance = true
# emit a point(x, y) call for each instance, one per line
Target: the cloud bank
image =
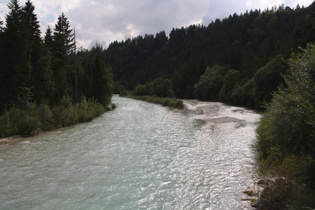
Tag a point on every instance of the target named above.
point(105, 21)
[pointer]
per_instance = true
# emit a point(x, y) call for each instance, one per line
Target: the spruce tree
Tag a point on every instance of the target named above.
point(48, 39)
point(63, 39)
point(1, 25)
point(16, 70)
point(40, 61)
point(62, 47)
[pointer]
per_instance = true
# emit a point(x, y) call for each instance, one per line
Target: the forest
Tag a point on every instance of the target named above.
point(45, 82)
point(238, 60)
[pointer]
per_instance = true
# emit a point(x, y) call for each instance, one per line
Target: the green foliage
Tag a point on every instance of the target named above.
point(231, 78)
point(162, 88)
point(277, 194)
point(169, 102)
point(243, 93)
point(29, 126)
point(46, 117)
point(118, 88)
point(15, 76)
point(286, 145)
point(95, 78)
point(159, 87)
point(267, 79)
point(249, 43)
point(159, 91)
point(34, 119)
point(41, 81)
point(210, 84)
point(288, 122)
point(142, 90)
point(123, 93)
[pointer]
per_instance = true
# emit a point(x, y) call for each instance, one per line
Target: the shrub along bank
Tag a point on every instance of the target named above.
point(159, 91)
point(34, 118)
point(286, 139)
point(169, 102)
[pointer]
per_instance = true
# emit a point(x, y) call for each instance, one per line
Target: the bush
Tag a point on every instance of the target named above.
point(123, 93)
point(286, 133)
point(159, 87)
point(33, 119)
point(46, 117)
point(210, 83)
point(29, 126)
point(169, 102)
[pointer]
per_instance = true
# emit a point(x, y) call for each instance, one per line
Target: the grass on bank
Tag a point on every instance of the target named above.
point(37, 118)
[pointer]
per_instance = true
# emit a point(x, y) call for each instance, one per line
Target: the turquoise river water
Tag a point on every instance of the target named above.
point(139, 156)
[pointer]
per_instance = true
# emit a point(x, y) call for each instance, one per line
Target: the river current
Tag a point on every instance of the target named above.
point(139, 156)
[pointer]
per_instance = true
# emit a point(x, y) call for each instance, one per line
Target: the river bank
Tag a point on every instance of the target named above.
point(210, 112)
point(17, 123)
point(140, 156)
point(164, 101)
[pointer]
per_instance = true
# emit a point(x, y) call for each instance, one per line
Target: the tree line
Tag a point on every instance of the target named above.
point(47, 71)
point(229, 60)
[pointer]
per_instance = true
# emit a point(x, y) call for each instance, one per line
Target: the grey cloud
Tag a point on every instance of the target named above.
point(110, 20)
point(145, 16)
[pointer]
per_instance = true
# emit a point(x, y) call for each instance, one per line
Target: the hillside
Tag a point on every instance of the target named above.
point(244, 55)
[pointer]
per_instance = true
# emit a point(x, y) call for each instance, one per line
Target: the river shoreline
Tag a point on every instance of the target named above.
point(209, 111)
point(143, 154)
point(19, 138)
point(11, 139)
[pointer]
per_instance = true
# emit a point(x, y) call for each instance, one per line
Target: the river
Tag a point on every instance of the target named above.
point(139, 156)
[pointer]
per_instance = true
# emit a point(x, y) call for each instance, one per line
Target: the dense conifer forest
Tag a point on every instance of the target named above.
point(45, 82)
point(237, 60)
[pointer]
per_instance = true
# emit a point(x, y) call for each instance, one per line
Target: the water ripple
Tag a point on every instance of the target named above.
point(140, 156)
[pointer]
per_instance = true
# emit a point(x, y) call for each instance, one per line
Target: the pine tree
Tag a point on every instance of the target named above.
point(96, 81)
point(1, 25)
point(16, 71)
point(62, 47)
point(32, 24)
point(48, 39)
point(63, 38)
point(40, 61)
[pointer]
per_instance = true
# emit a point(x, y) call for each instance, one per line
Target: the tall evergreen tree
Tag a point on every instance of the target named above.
point(1, 25)
point(62, 47)
point(32, 24)
point(63, 39)
point(40, 61)
point(96, 83)
point(48, 39)
point(16, 70)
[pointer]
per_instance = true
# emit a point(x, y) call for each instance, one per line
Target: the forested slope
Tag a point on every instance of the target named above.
point(244, 54)
point(44, 81)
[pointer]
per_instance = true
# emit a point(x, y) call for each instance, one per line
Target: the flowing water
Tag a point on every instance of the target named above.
point(140, 156)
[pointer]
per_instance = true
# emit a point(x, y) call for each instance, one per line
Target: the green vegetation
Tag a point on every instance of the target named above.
point(286, 133)
point(45, 83)
point(237, 60)
point(169, 102)
point(159, 91)
point(38, 118)
point(159, 88)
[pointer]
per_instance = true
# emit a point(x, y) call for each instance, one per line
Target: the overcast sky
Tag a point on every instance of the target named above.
point(105, 21)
